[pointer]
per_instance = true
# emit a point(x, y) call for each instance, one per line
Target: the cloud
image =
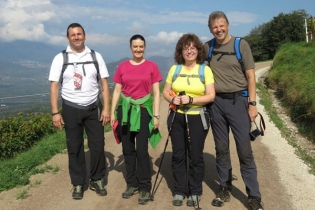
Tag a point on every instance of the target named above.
point(166, 38)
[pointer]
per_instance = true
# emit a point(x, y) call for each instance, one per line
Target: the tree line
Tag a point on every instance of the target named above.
point(266, 38)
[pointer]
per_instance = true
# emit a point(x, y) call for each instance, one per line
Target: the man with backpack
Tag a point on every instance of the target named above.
point(234, 108)
point(78, 72)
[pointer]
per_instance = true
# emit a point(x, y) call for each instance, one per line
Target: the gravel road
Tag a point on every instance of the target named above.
point(284, 179)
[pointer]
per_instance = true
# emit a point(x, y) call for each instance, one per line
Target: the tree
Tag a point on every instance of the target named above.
point(267, 38)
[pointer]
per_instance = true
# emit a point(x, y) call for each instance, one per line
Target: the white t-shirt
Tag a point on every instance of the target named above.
point(89, 90)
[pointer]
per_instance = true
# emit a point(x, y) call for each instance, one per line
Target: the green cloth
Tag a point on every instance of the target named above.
point(135, 116)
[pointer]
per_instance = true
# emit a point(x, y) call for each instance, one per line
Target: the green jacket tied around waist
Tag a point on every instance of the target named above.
point(128, 103)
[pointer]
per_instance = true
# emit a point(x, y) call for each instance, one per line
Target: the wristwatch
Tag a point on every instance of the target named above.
point(253, 103)
point(156, 116)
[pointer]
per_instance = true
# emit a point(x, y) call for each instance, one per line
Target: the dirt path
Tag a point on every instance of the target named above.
point(284, 179)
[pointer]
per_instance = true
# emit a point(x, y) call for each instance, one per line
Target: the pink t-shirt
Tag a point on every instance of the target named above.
point(137, 80)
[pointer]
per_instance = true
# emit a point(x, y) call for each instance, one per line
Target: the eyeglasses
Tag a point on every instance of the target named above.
point(186, 49)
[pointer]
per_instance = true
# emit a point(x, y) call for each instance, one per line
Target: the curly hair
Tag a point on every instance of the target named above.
point(185, 40)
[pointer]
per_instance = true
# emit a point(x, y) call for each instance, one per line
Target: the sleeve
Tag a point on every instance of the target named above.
point(156, 74)
point(247, 55)
point(209, 79)
point(117, 75)
point(102, 66)
point(55, 68)
point(169, 78)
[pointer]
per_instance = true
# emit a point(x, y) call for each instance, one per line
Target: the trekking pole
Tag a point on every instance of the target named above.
point(172, 93)
point(188, 152)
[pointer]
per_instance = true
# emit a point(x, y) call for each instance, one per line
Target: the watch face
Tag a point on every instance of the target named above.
point(252, 103)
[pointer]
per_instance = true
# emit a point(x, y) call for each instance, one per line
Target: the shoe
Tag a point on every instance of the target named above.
point(221, 197)
point(144, 197)
point(130, 191)
point(77, 192)
point(192, 200)
point(255, 203)
point(178, 200)
point(98, 186)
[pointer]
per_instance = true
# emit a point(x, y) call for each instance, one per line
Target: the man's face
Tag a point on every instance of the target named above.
point(219, 28)
point(76, 39)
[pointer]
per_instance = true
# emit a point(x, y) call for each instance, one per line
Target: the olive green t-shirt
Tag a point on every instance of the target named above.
point(227, 71)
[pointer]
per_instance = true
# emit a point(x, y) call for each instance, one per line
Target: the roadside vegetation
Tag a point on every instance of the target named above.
point(292, 80)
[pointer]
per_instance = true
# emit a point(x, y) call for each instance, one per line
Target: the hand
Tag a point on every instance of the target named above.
point(176, 100)
point(105, 117)
point(58, 121)
point(184, 99)
point(252, 112)
point(156, 123)
point(112, 120)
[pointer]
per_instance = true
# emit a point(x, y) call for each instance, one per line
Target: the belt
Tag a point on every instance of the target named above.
point(90, 107)
point(232, 95)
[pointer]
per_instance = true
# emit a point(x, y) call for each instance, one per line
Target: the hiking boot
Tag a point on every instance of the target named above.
point(144, 197)
point(77, 192)
point(255, 203)
point(192, 200)
point(178, 200)
point(221, 197)
point(130, 191)
point(98, 186)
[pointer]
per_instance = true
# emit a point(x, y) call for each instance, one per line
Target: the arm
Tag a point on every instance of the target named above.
point(169, 96)
point(105, 116)
point(156, 103)
point(115, 98)
point(252, 110)
point(56, 118)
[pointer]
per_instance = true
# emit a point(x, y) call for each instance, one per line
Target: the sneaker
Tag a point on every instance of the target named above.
point(98, 186)
point(221, 197)
point(77, 192)
point(178, 200)
point(130, 191)
point(192, 200)
point(144, 197)
point(255, 203)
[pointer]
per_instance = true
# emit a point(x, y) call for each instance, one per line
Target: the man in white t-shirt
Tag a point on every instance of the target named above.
point(83, 108)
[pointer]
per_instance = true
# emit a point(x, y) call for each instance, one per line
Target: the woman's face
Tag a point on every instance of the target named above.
point(137, 48)
point(190, 52)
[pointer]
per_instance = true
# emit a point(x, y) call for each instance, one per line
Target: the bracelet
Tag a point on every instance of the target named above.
point(191, 100)
point(52, 114)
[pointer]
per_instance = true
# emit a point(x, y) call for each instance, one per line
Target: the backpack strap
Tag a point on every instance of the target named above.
point(64, 65)
point(211, 47)
point(237, 44)
point(202, 73)
point(94, 61)
point(176, 72)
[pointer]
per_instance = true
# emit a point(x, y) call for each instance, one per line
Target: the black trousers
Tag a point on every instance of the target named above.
point(232, 114)
point(135, 151)
point(181, 148)
point(76, 121)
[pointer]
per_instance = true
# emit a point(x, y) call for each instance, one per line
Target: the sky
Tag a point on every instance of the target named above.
point(109, 24)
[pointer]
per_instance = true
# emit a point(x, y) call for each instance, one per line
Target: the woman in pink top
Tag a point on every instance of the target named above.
point(138, 115)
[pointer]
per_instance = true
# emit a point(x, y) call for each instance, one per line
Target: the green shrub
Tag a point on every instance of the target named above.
point(18, 134)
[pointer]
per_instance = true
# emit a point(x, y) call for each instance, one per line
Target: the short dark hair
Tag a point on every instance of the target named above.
point(215, 15)
point(74, 25)
point(185, 40)
point(137, 36)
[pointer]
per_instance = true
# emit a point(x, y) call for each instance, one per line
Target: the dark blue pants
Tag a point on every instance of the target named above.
point(76, 120)
point(180, 147)
point(232, 114)
point(135, 151)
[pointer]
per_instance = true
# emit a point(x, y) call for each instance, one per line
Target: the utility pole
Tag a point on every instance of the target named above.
point(306, 30)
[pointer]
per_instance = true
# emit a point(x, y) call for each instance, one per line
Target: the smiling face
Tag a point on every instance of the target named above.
point(76, 38)
point(219, 27)
point(137, 48)
point(190, 53)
